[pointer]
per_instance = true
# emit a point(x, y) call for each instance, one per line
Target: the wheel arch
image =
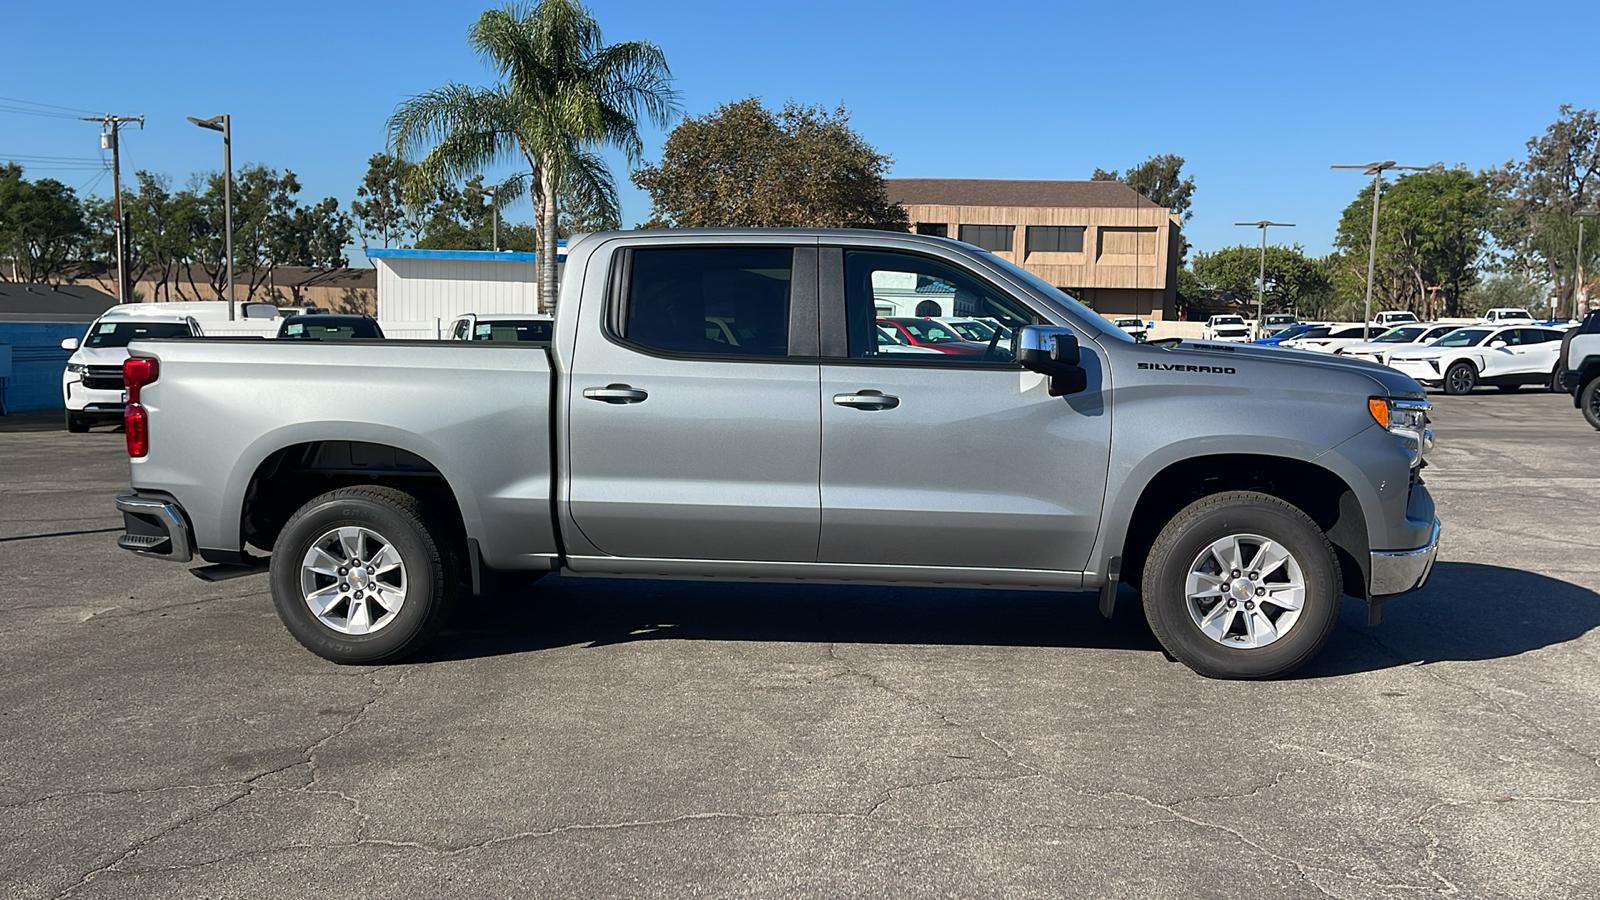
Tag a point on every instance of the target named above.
point(288, 468)
point(1321, 493)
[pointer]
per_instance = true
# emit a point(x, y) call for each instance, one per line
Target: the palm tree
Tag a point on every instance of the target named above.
point(562, 97)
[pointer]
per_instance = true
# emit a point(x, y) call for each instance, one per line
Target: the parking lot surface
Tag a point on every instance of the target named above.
point(161, 736)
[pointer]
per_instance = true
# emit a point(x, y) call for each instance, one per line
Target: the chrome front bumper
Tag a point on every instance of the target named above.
point(153, 527)
point(1400, 571)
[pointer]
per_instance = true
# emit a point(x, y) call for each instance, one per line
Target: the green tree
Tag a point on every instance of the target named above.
point(1518, 290)
point(383, 217)
point(563, 96)
point(744, 165)
point(41, 225)
point(1295, 282)
point(1160, 180)
point(464, 220)
point(1537, 226)
point(1433, 232)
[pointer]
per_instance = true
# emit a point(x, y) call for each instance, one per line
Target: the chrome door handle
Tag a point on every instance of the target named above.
point(869, 400)
point(615, 393)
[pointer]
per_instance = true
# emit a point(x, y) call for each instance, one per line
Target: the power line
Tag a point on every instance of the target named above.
point(46, 105)
point(21, 111)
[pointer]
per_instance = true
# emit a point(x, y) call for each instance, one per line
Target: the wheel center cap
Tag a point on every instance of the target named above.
point(358, 578)
point(1242, 588)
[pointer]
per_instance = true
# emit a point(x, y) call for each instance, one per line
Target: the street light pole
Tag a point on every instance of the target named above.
point(1376, 170)
point(1261, 287)
point(224, 124)
point(494, 204)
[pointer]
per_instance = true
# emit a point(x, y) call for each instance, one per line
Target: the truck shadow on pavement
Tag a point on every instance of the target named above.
point(1467, 612)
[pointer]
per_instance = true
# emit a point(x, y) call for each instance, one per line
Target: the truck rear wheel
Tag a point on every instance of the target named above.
point(363, 575)
point(1242, 585)
point(1589, 401)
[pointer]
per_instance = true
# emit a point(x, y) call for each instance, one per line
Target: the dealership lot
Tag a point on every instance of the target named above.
point(161, 736)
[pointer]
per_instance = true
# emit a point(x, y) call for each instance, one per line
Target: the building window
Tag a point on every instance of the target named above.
point(936, 229)
point(1055, 238)
point(989, 237)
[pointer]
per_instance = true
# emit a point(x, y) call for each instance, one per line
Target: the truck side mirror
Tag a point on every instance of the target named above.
point(1051, 350)
point(69, 344)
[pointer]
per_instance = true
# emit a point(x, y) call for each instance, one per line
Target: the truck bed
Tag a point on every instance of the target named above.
point(477, 413)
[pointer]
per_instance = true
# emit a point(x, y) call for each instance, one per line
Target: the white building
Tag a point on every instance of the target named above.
point(421, 291)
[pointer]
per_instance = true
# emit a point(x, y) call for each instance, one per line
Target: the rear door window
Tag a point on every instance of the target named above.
point(717, 301)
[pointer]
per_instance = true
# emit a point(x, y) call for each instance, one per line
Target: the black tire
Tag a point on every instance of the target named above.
point(1589, 402)
point(426, 551)
point(1554, 384)
point(1460, 379)
point(76, 423)
point(1180, 545)
point(1508, 388)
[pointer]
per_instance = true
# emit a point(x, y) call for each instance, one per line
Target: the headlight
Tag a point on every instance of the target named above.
point(1407, 420)
point(77, 368)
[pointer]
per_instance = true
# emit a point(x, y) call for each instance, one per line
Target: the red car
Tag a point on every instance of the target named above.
point(931, 334)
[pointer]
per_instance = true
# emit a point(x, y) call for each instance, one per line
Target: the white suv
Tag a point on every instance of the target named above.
point(91, 385)
point(1227, 328)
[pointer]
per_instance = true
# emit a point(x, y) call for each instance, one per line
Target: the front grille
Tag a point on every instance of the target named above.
point(104, 378)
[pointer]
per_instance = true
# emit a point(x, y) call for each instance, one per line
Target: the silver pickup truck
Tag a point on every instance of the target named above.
point(718, 405)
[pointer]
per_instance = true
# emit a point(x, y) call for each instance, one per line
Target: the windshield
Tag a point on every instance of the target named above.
point(1056, 296)
point(118, 334)
point(1466, 337)
point(1399, 335)
point(530, 330)
point(1227, 320)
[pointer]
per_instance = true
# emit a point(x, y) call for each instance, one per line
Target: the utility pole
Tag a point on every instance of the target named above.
point(109, 126)
point(1581, 294)
point(1376, 170)
point(1261, 289)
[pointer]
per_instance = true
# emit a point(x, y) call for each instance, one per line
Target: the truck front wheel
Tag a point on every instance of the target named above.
point(1242, 585)
point(363, 575)
point(1589, 400)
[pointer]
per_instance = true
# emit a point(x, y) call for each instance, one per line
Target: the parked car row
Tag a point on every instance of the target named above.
point(92, 384)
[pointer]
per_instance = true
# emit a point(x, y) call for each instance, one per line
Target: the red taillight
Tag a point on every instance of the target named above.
point(137, 371)
point(136, 428)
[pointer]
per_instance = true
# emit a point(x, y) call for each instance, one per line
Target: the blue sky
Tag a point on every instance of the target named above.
point(1259, 97)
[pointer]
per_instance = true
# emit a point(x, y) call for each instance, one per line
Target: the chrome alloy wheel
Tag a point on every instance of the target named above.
point(1245, 591)
point(353, 580)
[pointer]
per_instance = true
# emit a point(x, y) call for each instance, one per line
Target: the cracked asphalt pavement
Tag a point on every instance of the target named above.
point(161, 736)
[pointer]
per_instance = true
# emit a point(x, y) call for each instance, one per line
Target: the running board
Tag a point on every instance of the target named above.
point(224, 571)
